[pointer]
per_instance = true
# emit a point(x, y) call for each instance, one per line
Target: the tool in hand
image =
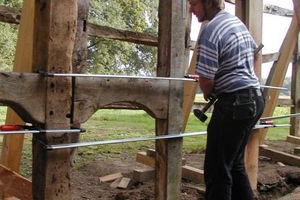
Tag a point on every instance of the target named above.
point(200, 114)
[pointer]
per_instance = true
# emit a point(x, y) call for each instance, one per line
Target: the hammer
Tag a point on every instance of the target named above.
point(200, 114)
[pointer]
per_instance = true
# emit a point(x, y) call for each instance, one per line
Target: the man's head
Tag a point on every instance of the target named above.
point(206, 9)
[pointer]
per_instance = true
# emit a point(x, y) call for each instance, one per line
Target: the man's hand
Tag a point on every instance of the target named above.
point(206, 85)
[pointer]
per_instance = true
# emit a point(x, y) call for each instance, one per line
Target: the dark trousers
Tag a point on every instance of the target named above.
point(234, 116)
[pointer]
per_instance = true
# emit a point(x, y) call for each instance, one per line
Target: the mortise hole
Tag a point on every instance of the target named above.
point(51, 112)
point(51, 85)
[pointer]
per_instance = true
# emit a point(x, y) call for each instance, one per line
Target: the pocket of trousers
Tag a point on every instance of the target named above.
point(245, 110)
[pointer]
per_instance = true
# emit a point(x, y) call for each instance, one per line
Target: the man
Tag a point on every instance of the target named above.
point(225, 62)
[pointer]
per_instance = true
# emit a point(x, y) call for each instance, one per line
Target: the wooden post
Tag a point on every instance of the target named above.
point(295, 92)
point(54, 36)
point(171, 61)
point(251, 13)
point(12, 145)
point(79, 57)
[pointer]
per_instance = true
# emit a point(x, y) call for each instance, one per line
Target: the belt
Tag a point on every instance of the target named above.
point(253, 91)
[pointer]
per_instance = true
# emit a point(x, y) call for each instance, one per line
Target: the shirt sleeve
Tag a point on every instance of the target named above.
point(207, 57)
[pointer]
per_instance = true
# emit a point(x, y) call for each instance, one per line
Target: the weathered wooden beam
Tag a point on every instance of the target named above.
point(25, 94)
point(12, 146)
point(150, 95)
point(116, 34)
point(14, 184)
point(276, 10)
point(54, 36)
point(171, 62)
point(9, 15)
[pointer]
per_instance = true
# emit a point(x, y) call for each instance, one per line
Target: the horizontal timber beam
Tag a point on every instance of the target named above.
point(92, 93)
point(26, 93)
point(12, 15)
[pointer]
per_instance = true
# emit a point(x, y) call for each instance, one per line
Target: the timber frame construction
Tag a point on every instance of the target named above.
point(53, 38)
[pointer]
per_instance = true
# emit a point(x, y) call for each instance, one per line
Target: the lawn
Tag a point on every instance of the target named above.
point(116, 124)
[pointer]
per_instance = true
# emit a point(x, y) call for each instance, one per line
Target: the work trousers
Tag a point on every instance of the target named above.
point(234, 116)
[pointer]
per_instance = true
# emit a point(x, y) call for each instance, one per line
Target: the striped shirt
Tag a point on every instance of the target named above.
point(225, 54)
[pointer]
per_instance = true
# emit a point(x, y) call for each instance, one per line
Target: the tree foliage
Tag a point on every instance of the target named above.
point(104, 56)
point(116, 57)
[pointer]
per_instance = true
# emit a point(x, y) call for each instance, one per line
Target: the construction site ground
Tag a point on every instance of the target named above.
point(275, 180)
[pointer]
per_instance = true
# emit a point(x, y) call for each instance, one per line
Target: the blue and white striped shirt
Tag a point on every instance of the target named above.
point(225, 54)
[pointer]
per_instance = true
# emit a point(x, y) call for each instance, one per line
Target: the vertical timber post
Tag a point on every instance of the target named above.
point(79, 58)
point(295, 91)
point(251, 13)
point(54, 36)
point(171, 49)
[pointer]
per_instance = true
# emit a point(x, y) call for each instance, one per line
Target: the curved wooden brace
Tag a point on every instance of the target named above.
point(92, 94)
point(25, 94)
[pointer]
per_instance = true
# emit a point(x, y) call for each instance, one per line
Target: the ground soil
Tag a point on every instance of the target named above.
point(275, 180)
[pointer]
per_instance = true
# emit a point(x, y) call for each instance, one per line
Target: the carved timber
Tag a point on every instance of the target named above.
point(25, 94)
point(150, 95)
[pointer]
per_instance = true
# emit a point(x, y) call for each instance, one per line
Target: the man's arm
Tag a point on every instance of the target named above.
point(206, 85)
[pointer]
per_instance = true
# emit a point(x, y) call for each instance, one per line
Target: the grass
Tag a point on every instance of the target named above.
point(115, 124)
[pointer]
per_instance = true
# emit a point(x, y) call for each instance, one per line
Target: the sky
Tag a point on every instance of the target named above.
point(274, 30)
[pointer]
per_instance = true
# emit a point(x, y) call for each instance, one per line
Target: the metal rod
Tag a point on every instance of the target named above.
point(138, 139)
point(273, 87)
point(123, 140)
point(40, 131)
point(280, 117)
point(119, 76)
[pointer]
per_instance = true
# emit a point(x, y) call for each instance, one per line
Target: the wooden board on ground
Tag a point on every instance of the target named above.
point(14, 184)
point(115, 183)
point(293, 139)
point(279, 156)
point(193, 174)
point(124, 183)
point(143, 175)
point(110, 177)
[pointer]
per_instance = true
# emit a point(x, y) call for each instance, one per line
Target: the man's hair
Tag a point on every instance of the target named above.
point(217, 3)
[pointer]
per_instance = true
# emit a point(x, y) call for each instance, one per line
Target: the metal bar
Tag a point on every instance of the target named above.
point(119, 76)
point(40, 131)
point(123, 140)
point(273, 87)
point(138, 139)
point(280, 117)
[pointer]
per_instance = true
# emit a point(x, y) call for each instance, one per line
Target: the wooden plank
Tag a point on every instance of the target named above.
point(295, 92)
point(115, 183)
point(190, 89)
point(54, 35)
point(12, 145)
point(193, 174)
point(280, 156)
point(143, 175)
point(171, 62)
point(124, 183)
point(14, 184)
point(270, 57)
point(250, 12)
point(293, 139)
point(278, 71)
point(110, 177)
point(143, 158)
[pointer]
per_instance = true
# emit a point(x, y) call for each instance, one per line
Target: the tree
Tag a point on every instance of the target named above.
point(115, 57)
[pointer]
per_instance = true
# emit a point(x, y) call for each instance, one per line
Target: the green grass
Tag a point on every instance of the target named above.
point(116, 124)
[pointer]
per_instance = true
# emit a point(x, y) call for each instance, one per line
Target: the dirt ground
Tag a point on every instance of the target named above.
point(275, 181)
